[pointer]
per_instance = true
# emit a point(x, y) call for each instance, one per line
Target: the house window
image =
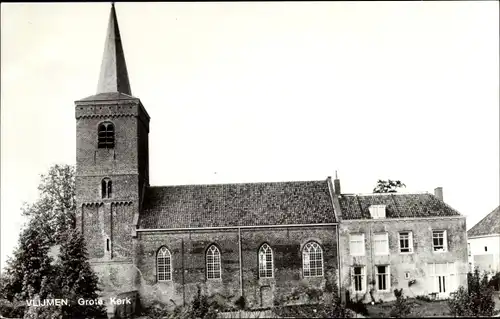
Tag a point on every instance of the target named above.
point(406, 242)
point(439, 242)
point(106, 188)
point(381, 244)
point(312, 260)
point(383, 282)
point(357, 244)
point(442, 277)
point(164, 265)
point(377, 211)
point(485, 248)
point(265, 261)
point(106, 135)
point(358, 274)
point(213, 263)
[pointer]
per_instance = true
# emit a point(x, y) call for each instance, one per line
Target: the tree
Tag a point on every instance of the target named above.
point(31, 273)
point(56, 206)
point(52, 214)
point(25, 272)
point(76, 278)
point(388, 186)
point(475, 301)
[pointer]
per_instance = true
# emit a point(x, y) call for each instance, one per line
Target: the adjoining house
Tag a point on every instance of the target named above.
point(484, 243)
point(411, 241)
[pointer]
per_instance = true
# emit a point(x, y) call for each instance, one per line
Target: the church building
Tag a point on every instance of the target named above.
point(271, 243)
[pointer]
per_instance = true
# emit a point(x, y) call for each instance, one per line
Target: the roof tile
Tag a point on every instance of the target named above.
point(397, 206)
point(488, 225)
point(224, 205)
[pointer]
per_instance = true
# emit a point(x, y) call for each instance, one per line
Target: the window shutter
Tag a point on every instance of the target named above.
point(351, 278)
point(445, 240)
point(410, 240)
point(388, 277)
point(453, 278)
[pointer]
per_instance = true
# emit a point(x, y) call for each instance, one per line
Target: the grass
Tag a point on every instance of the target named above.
point(420, 309)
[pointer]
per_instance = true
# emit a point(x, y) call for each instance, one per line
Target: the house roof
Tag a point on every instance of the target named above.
point(223, 205)
point(488, 225)
point(397, 206)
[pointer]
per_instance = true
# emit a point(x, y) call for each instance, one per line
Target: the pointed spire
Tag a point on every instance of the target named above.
point(114, 75)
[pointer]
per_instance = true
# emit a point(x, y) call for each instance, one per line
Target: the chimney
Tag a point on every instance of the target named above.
point(336, 184)
point(438, 192)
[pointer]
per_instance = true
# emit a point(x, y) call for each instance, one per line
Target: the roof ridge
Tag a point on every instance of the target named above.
point(385, 194)
point(239, 183)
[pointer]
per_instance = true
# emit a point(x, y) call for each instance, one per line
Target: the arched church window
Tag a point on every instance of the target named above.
point(106, 135)
point(312, 260)
point(213, 263)
point(164, 265)
point(106, 188)
point(265, 261)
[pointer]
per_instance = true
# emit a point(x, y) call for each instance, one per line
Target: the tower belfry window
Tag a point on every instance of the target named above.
point(106, 135)
point(106, 188)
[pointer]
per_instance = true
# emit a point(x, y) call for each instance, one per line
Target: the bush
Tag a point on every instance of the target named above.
point(460, 304)
point(201, 308)
point(402, 307)
point(475, 301)
point(240, 303)
point(12, 309)
point(314, 295)
point(50, 312)
point(495, 282)
point(336, 309)
point(158, 310)
point(357, 306)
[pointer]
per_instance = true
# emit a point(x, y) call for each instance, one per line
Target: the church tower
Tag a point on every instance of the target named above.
point(112, 161)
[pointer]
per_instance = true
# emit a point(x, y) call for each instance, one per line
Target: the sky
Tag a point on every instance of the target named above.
point(261, 92)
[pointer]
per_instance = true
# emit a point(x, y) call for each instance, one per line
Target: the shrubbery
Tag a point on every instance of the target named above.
point(475, 301)
point(357, 306)
point(201, 307)
point(402, 307)
point(337, 309)
point(495, 282)
point(12, 309)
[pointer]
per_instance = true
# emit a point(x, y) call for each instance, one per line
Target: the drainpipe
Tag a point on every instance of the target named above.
point(371, 260)
point(241, 266)
point(183, 272)
point(339, 264)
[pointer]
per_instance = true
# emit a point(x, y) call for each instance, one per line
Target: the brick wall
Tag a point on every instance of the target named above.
point(126, 165)
point(188, 260)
